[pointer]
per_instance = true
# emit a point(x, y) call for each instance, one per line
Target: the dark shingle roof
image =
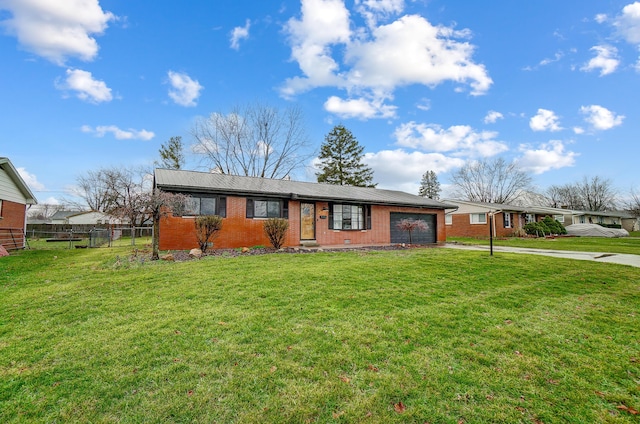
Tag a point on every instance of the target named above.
point(176, 180)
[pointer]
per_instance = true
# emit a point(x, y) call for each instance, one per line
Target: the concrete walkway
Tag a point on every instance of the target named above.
point(614, 258)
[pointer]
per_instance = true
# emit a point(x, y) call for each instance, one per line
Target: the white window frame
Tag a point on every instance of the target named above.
point(529, 217)
point(559, 218)
point(480, 218)
point(448, 219)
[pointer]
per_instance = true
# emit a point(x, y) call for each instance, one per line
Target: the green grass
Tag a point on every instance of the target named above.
point(419, 335)
point(583, 244)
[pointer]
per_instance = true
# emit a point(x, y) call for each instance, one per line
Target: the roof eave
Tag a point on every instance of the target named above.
point(18, 181)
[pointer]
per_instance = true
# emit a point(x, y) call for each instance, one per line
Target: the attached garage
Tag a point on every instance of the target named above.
point(427, 236)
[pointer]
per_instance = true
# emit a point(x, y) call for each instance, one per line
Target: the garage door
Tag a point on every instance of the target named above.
point(417, 236)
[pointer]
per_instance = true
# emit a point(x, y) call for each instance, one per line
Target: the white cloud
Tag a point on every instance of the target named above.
point(606, 60)
point(601, 118)
point(57, 30)
point(544, 120)
point(86, 88)
point(373, 61)
point(425, 104)
point(184, 90)
point(461, 139)
point(238, 34)
point(551, 155)
point(359, 108)
point(578, 130)
point(373, 10)
point(407, 177)
point(600, 18)
point(30, 179)
point(492, 117)
point(129, 134)
point(628, 23)
point(556, 58)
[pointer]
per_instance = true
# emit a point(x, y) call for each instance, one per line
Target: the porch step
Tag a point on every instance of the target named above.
point(309, 243)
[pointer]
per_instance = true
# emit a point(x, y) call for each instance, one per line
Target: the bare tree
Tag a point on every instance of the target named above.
point(490, 181)
point(257, 140)
point(44, 210)
point(120, 192)
point(92, 187)
point(633, 203)
point(564, 196)
point(597, 193)
point(591, 194)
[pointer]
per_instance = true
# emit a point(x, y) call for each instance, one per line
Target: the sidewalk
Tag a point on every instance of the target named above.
point(614, 258)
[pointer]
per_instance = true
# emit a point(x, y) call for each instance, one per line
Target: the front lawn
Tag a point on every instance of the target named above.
point(416, 335)
point(582, 244)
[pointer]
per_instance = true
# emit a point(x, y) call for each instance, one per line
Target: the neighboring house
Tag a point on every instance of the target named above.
point(92, 218)
point(15, 200)
point(60, 217)
point(321, 214)
point(624, 219)
point(471, 219)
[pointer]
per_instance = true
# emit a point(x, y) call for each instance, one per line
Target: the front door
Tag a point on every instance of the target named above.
point(307, 221)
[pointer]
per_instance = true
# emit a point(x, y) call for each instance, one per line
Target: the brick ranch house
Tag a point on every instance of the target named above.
point(471, 219)
point(318, 214)
point(15, 200)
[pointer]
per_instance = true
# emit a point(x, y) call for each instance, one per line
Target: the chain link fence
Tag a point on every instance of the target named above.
point(81, 236)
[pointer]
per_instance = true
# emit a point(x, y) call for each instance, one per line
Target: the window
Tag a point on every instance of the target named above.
point(267, 208)
point(478, 218)
point(600, 220)
point(448, 219)
point(206, 205)
point(528, 218)
point(582, 219)
point(507, 219)
point(559, 218)
point(349, 217)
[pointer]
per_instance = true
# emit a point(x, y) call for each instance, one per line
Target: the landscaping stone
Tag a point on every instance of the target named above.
point(3, 251)
point(195, 253)
point(167, 257)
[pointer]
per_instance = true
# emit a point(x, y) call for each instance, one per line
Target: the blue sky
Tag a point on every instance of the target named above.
point(423, 85)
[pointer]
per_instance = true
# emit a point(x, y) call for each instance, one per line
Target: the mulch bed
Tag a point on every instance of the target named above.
point(232, 253)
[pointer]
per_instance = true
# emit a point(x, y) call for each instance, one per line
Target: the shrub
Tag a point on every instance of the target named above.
point(537, 229)
point(276, 230)
point(555, 227)
point(207, 229)
point(611, 225)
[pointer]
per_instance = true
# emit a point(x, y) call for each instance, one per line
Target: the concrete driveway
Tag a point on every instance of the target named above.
point(614, 258)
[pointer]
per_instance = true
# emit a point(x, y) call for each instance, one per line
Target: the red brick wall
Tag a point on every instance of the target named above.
point(177, 233)
point(13, 217)
point(462, 227)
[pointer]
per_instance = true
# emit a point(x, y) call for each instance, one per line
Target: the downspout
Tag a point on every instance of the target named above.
point(24, 230)
point(493, 219)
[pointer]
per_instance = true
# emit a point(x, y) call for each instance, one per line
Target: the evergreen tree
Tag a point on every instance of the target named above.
point(171, 154)
point(341, 160)
point(429, 186)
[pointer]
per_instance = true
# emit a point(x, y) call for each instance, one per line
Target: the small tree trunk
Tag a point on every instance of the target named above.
point(155, 255)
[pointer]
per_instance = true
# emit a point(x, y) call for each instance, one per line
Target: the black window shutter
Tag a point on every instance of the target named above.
point(330, 216)
point(249, 208)
point(285, 209)
point(222, 207)
point(367, 212)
